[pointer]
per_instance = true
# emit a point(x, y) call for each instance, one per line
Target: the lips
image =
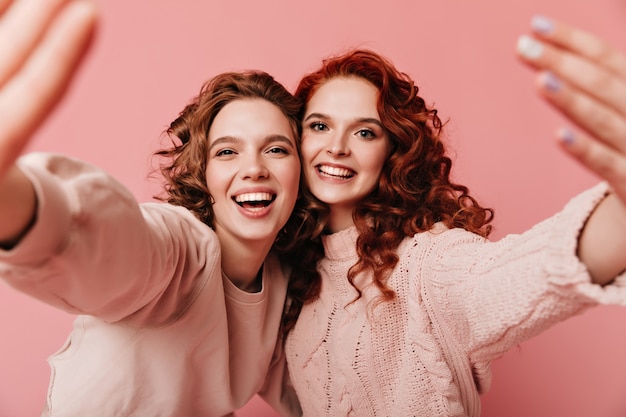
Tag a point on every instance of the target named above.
point(335, 172)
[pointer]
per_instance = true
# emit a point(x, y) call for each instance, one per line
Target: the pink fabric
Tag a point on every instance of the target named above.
point(161, 332)
point(348, 358)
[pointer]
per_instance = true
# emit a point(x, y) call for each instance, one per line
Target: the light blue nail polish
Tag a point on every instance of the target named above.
point(542, 25)
point(551, 82)
point(567, 136)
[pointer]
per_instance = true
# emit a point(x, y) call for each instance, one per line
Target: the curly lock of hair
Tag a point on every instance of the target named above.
point(184, 162)
point(414, 191)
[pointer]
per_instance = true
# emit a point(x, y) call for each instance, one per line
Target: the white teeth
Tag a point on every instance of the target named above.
point(335, 172)
point(247, 197)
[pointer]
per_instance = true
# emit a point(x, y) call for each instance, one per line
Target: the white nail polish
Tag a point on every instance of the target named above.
point(529, 47)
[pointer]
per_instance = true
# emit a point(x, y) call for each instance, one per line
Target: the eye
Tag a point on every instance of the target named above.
point(278, 150)
point(366, 134)
point(225, 152)
point(318, 126)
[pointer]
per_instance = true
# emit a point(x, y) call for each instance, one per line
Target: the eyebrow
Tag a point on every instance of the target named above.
point(267, 140)
point(358, 120)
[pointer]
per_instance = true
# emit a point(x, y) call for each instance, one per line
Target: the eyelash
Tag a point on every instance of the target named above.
point(274, 150)
point(278, 148)
point(320, 126)
point(225, 152)
point(370, 134)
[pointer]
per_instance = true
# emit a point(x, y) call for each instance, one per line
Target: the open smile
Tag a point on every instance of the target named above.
point(254, 201)
point(335, 172)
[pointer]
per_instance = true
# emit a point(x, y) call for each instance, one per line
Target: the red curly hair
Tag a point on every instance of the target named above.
point(414, 191)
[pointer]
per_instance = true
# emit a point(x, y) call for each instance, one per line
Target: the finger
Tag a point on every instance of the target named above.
point(588, 76)
point(604, 161)
point(3, 5)
point(21, 27)
point(598, 119)
point(29, 96)
point(580, 43)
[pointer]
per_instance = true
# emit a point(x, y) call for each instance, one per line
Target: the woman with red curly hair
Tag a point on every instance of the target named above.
point(412, 301)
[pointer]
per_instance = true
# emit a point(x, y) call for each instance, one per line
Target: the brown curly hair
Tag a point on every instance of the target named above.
point(414, 190)
point(184, 163)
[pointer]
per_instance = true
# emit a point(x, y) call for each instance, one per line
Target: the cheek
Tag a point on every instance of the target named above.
point(291, 178)
point(377, 158)
point(309, 149)
point(215, 179)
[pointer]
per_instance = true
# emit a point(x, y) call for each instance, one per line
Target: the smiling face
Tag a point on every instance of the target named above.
point(252, 172)
point(344, 146)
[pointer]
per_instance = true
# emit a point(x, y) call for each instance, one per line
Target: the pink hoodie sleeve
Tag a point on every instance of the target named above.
point(94, 250)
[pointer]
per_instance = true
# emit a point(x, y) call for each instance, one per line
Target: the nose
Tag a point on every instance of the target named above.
point(255, 168)
point(338, 146)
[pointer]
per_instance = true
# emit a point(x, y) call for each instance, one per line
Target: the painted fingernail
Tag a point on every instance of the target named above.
point(566, 136)
point(542, 25)
point(529, 48)
point(551, 82)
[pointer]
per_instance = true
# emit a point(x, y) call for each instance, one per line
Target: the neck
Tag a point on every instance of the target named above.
point(340, 218)
point(242, 262)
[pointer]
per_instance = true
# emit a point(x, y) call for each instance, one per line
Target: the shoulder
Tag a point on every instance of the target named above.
point(442, 249)
point(442, 236)
point(177, 221)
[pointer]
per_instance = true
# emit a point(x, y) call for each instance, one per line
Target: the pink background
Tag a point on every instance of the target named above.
point(151, 56)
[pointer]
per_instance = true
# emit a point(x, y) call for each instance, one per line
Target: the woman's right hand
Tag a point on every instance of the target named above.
point(41, 44)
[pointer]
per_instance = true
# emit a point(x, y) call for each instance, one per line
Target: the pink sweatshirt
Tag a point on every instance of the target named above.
point(161, 331)
point(489, 296)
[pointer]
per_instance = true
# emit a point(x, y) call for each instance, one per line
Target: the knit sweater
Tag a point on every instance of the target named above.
point(160, 332)
point(347, 359)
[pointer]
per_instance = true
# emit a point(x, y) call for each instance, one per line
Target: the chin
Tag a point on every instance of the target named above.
point(259, 235)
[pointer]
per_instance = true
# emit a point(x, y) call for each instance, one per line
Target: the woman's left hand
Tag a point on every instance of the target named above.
point(584, 77)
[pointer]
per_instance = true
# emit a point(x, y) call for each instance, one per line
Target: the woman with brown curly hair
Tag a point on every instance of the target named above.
point(413, 301)
point(179, 303)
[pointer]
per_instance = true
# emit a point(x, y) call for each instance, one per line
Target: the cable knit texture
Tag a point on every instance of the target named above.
point(490, 296)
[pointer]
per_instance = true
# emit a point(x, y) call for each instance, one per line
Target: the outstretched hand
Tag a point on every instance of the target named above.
point(584, 78)
point(41, 44)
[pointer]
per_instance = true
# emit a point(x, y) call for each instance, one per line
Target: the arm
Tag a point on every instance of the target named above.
point(496, 295)
point(17, 207)
point(585, 78)
point(78, 239)
point(602, 243)
point(94, 250)
point(30, 61)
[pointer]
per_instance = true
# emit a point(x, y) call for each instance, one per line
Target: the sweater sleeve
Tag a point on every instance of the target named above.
point(94, 250)
point(495, 295)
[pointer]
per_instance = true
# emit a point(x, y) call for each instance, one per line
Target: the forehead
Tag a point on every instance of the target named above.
point(250, 118)
point(345, 95)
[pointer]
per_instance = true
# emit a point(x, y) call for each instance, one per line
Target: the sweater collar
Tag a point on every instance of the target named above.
point(341, 245)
